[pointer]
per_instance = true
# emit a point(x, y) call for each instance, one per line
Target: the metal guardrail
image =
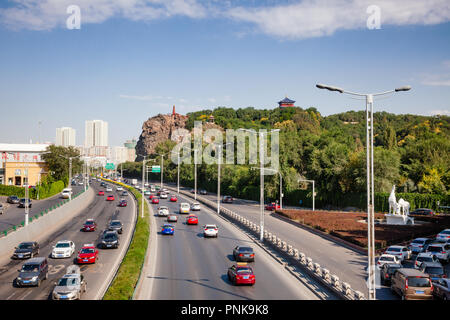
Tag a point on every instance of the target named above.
point(320, 273)
point(5, 232)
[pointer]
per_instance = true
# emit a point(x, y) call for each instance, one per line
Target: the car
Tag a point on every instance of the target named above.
point(90, 225)
point(87, 254)
point(63, 249)
point(195, 206)
point(241, 273)
point(244, 254)
point(108, 189)
point(227, 199)
point(442, 289)
point(419, 245)
point(66, 193)
point(184, 207)
point(124, 194)
point(192, 190)
point(387, 271)
point(151, 197)
point(402, 252)
point(210, 230)
point(424, 257)
point(22, 203)
point(163, 196)
point(163, 211)
point(152, 188)
point(74, 183)
point(173, 198)
point(119, 188)
point(26, 250)
point(147, 192)
point(116, 225)
point(33, 272)
point(1, 208)
point(101, 193)
point(192, 219)
point(13, 199)
point(203, 192)
point(122, 203)
point(164, 190)
point(110, 198)
point(172, 218)
point(422, 212)
point(103, 184)
point(272, 206)
point(155, 200)
point(443, 236)
point(411, 284)
point(110, 239)
point(70, 286)
point(434, 269)
point(440, 250)
point(168, 229)
point(387, 258)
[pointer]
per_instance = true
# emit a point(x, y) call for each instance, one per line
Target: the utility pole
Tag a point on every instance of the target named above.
point(27, 198)
point(195, 174)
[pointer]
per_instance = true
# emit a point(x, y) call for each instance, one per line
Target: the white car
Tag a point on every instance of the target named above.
point(443, 236)
point(440, 250)
point(108, 189)
point(195, 206)
point(424, 257)
point(119, 188)
point(184, 207)
point(66, 193)
point(163, 195)
point(163, 211)
point(210, 230)
point(387, 258)
point(402, 252)
point(147, 192)
point(63, 249)
point(146, 184)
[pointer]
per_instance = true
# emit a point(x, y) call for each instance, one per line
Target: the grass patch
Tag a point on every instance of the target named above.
point(124, 284)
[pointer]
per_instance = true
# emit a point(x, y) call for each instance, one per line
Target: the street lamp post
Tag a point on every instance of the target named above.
point(162, 167)
point(195, 174)
point(370, 176)
point(27, 198)
point(219, 153)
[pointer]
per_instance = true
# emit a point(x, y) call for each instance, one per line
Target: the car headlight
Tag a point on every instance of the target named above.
point(19, 278)
point(34, 278)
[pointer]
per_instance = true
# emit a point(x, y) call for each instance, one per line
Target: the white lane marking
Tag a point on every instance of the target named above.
point(11, 295)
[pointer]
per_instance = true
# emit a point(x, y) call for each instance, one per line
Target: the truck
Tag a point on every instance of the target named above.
point(134, 182)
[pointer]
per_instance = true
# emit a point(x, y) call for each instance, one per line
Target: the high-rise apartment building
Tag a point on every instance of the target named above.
point(96, 133)
point(65, 136)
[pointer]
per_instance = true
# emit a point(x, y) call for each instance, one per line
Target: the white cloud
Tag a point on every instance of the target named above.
point(142, 98)
point(440, 112)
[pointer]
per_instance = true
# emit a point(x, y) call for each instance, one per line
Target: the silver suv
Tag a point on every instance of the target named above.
point(70, 286)
point(440, 250)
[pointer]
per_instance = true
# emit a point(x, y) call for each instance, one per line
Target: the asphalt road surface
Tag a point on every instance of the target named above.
point(97, 274)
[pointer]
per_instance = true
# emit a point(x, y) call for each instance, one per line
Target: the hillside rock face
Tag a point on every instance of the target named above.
point(156, 130)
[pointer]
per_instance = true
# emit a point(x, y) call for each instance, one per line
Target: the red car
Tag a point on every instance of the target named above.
point(89, 225)
point(241, 274)
point(151, 197)
point(101, 193)
point(110, 198)
point(192, 219)
point(155, 200)
point(87, 254)
point(123, 203)
point(173, 199)
point(272, 206)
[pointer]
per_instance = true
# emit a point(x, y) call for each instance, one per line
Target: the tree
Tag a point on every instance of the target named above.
point(57, 161)
point(431, 182)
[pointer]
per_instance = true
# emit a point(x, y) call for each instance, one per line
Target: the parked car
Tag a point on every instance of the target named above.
point(13, 199)
point(116, 225)
point(440, 250)
point(243, 253)
point(402, 252)
point(387, 258)
point(70, 286)
point(272, 206)
point(442, 289)
point(424, 257)
point(26, 250)
point(434, 269)
point(387, 271)
point(412, 284)
point(422, 212)
point(443, 236)
point(22, 203)
point(1, 208)
point(227, 199)
point(33, 272)
point(110, 239)
point(420, 245)
point(63, 249)
point(210, 230)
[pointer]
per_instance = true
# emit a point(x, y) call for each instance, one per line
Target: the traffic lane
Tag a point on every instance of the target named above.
point(190, 266)
point(14, 215)
point(101, 210)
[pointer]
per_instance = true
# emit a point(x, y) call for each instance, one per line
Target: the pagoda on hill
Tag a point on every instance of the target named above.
point(286, 102)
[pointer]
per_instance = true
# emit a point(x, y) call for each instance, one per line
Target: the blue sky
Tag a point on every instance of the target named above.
point(125, 67)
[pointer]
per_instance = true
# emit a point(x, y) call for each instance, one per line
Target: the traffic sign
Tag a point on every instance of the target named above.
point(156, 168)
point(109, 166)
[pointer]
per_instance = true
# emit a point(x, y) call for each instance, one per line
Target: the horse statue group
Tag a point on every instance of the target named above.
point(398, 208)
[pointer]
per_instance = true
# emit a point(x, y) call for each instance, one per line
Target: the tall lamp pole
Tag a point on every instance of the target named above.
point(370, 176)
point(219, 153)
point(195, 174)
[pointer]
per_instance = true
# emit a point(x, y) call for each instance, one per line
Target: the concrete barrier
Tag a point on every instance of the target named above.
point(40, 228)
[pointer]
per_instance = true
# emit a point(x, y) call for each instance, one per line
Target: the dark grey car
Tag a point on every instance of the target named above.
point(33, 272)
point(22, 203)
point(434, 269)
point(442, 289)
point(115, 225)
point(13, 199)
point(110, 239)
point(244, 254)
point(26, 250)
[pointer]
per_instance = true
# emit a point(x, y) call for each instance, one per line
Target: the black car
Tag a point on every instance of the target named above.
point(423, 212)
point(434, 269)
point(115, 225)
point(103, 184)
point(13, 199)
point(442, 289)
point(387, 271)
point(243, 254)
point(110, 239)
point(22, 203)
point(26, 250)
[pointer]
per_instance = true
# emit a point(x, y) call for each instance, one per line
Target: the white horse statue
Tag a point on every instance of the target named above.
point(403, 206)
point(393, 207)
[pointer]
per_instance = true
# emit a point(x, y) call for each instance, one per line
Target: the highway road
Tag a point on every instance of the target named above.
point(96, 274)
point(14, 215)
point(188, 266)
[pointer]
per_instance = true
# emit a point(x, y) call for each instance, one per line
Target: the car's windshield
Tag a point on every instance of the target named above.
point(110, 236)
point(434, 249)
point(30, 267)
point(434, 270)
point(446, 232)
point(425, 259)
point(89, 222)
point(87, 250)
point(63, 282)
point(62, 245)
point(419, 282)
point(245, 249)
point(25, 246)
point(115, 223)
point(387, 258)
point(244, 270)
point(394, 249)
point(417, 241)
point(392, 269)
